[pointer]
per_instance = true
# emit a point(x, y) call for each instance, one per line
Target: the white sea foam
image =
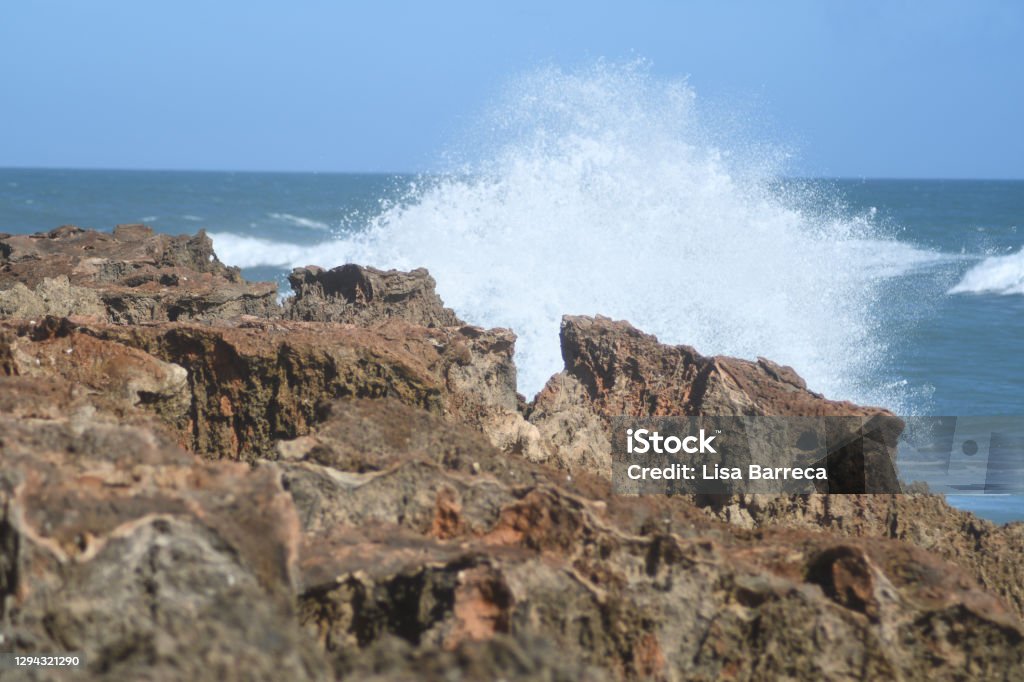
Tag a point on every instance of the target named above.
point(299, 221)
point(994, 275)
point(252, 252)
point(601, 191)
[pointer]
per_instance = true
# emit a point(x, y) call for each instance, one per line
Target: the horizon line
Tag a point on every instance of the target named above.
point(413, 173)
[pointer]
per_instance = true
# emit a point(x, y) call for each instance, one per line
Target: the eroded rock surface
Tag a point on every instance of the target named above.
point(129, 276)
point(232, 388)
point(362, 295)
point(985, 550)
point(470, 545)
point(150, 562)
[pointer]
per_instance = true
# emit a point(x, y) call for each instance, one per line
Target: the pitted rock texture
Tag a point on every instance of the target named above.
point(150, 562)
point(363, 296)
point(50, 297)
point(128, 276)
point(233, 388)
point(983, 549)
point(47, 369)
point(480, 380)
point(470, 545)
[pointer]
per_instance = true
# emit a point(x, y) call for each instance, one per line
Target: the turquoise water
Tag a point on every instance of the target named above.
point(940, 298)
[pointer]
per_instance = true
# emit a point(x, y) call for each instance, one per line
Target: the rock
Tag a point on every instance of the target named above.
point(985, 550)
point(395, 516)
point(612, 369)
point(148, 561)
point(480, 377)
point(133, 276)
point(51, 297)
point(108, 376)
point(361, 295)
point(251, 381)
point(470, 546)
point(129, 276)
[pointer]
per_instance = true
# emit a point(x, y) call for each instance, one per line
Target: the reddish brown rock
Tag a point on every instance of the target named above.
point(613, 369)
point(119, 378)
point(251, 382)
point(129, 276)
point(480, 380)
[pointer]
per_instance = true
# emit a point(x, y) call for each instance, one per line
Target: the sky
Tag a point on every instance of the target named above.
point(875, 88)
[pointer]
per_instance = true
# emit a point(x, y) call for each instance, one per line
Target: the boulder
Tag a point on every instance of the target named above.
point(361, 295)
point(613, 369)
point(232, 388)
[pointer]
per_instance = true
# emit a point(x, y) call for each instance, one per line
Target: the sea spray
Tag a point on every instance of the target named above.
point(600, 191)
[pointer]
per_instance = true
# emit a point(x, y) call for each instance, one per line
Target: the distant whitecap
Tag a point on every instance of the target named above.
point(994, 275)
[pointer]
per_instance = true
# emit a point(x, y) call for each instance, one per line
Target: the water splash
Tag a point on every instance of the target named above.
point(604, 190)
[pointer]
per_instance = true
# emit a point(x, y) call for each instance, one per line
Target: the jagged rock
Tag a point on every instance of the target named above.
point(471, 546)
point(148, 561)
point(613, 369)
point(400, 521)
point(362, 295)
point(133, 276)
point(251, 382)
point(480, 380)
point(136, 275)
point(985, 550)
point(121, 377)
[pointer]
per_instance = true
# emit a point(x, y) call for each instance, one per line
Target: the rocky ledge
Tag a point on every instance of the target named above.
point(199, 482)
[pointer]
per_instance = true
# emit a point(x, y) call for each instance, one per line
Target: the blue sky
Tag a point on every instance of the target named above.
point(872, 88)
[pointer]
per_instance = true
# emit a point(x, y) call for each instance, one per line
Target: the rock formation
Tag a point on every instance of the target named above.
point(196, 482)
point(613, 369)
point(129, 276)
point(360, 295)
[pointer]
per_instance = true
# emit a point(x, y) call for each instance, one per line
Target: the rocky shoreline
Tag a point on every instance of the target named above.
point(199, 481)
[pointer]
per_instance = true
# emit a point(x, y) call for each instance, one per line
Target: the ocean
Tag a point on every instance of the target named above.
point(608, 191)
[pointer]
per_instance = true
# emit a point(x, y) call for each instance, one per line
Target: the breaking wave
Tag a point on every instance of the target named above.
point(994, 275)
point(607, 190)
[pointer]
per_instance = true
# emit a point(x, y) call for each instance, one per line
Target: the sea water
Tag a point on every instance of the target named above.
point(609, 191)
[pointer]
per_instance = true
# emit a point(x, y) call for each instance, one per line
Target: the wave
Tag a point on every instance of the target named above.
point(254, 252)
point(299, 221)
point(994, 275)
point(607, 190)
